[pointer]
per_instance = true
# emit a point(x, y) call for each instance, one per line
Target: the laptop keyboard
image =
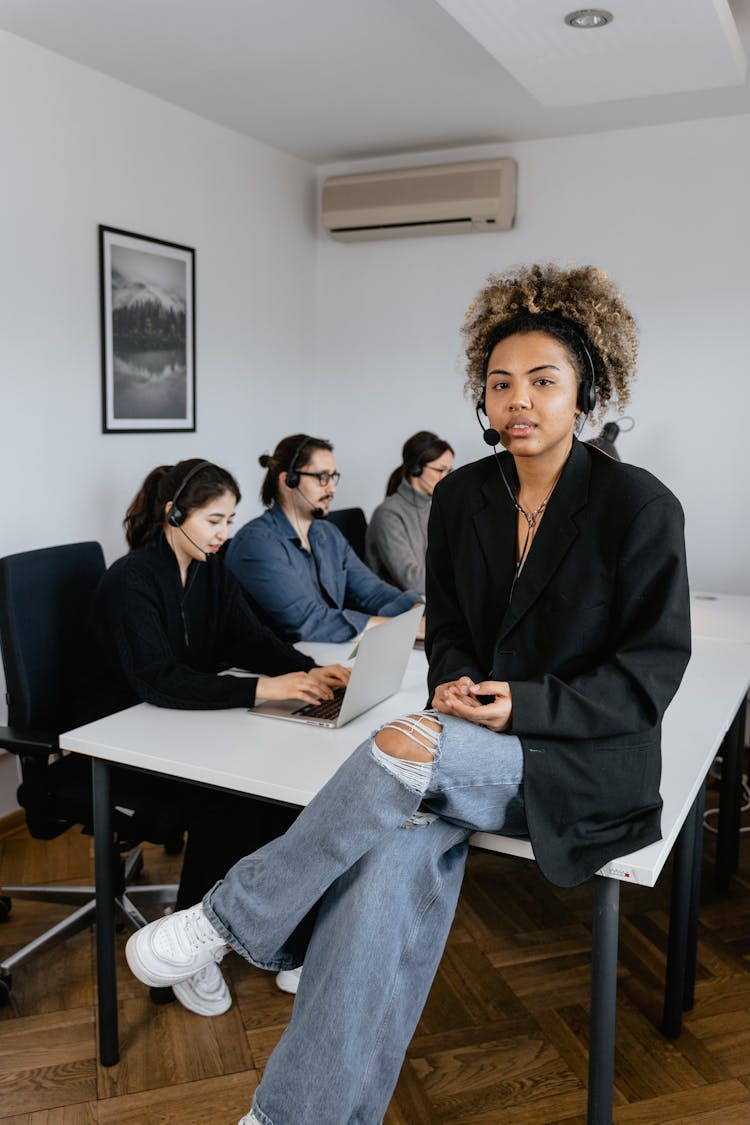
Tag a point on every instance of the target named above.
point(327, 709)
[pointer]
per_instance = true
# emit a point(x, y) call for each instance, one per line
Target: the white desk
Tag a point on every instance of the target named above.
point(288, 762)
point(723, 616)
point(726, 617)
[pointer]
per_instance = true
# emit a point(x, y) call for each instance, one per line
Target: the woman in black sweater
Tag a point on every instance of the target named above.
point(168, 618)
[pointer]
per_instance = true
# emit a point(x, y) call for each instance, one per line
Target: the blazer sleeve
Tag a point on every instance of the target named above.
point(648, 650)
point(448, 642)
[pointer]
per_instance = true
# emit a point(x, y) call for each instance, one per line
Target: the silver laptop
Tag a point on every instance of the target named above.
point(379, 666)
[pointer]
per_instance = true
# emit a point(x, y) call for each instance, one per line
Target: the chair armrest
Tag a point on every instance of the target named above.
point(41, 743)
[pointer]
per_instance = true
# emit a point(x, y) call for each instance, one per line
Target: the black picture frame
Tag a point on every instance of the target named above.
point(147, 291)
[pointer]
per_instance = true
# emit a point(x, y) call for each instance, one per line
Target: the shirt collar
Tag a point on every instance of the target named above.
point(286, 528)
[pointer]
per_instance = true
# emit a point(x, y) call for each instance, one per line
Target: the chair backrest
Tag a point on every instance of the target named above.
point(351, 523)
point(45, 597)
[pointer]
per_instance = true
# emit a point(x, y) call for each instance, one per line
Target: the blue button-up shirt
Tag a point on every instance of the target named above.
point(266, 556)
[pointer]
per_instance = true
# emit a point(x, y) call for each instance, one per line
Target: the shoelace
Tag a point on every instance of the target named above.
point(195, 932)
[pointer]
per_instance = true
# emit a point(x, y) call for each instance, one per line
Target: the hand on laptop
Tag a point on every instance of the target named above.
point(331, 676)
point(312, 686)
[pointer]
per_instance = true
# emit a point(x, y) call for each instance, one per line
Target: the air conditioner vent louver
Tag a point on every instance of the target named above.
point(475, 196)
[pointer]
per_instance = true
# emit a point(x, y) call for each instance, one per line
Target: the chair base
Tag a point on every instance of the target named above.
point(85, 915)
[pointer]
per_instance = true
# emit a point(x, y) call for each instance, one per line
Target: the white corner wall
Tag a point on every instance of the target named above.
point(79, 149)
point(664, 211)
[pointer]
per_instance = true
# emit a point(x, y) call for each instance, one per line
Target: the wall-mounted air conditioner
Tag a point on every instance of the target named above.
point(475, 196)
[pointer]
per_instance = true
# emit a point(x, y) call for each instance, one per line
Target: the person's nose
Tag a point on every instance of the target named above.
point(521, 399)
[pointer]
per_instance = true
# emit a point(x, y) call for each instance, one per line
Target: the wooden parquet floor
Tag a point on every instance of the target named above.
point(503, 1037)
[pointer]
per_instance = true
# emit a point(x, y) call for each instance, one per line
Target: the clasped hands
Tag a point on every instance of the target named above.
point(460, 698)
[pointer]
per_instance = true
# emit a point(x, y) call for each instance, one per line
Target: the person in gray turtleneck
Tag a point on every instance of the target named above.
point(397, 534)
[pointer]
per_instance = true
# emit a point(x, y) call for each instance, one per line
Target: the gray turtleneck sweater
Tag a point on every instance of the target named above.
point(397, 538)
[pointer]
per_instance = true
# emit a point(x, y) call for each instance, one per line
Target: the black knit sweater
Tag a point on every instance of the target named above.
point(159, 643)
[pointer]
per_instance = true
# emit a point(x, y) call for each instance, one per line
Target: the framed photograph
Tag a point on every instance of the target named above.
point(148, 333)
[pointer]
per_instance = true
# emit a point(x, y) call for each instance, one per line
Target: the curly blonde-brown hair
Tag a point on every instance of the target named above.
point(576, 305)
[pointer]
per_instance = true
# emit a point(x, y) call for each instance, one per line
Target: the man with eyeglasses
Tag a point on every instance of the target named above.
point(298, 569)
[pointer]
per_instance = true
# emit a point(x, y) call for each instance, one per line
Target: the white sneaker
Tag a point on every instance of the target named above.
point(205, 992)
point(288, 979)
point(174, 948)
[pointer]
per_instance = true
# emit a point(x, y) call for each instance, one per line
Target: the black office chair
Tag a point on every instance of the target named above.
point(45, 597)
point(351, 523)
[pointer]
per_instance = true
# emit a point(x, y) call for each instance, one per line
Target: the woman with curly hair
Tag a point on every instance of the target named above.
point(557, 633)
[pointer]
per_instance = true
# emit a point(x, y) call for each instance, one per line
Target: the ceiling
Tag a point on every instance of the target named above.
point(335, 80)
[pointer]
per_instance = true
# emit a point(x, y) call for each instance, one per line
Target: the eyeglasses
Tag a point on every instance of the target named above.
point(323, 478)
point(437, 469)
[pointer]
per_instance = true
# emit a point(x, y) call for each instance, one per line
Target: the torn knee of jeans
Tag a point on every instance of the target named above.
point(423, 729)
point(414, 775)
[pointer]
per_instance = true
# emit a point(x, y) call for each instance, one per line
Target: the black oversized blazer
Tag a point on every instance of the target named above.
point(594, 642)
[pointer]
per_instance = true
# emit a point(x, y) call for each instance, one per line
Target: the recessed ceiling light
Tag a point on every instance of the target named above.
point(588, 17)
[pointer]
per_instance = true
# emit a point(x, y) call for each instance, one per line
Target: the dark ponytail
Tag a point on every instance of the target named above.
point(144, 519)
point(418, 451)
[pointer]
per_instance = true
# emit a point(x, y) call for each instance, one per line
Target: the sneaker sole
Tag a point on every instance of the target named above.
point(187, 998)
point(146, 975)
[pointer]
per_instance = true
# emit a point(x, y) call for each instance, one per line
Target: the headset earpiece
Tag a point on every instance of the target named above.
point(587, 387)
point(586, 396)
point(414, 471)
point(176, 515)
point(292, 476)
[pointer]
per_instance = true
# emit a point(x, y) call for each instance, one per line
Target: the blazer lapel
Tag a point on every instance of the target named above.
point(495, 527)
point(557, 532)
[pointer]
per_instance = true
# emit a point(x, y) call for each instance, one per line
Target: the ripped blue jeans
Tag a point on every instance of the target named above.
point(363, 887)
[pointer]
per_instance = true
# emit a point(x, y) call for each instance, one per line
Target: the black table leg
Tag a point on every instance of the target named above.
point(109, 1052)
point(730, 800)
point(606, 920)
point(679, 914)
point(691, 954)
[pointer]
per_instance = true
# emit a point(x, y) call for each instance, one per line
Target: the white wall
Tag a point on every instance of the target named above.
point(79, 149)
point(664, 211)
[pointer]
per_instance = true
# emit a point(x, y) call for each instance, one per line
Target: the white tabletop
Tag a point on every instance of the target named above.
point(723, 616)
point(290, 762)
point(238, 749)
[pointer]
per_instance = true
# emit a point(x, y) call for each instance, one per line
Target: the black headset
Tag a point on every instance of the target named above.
point(176, 515)
point(292, 476)
point(587, 386)
point(417, 469)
